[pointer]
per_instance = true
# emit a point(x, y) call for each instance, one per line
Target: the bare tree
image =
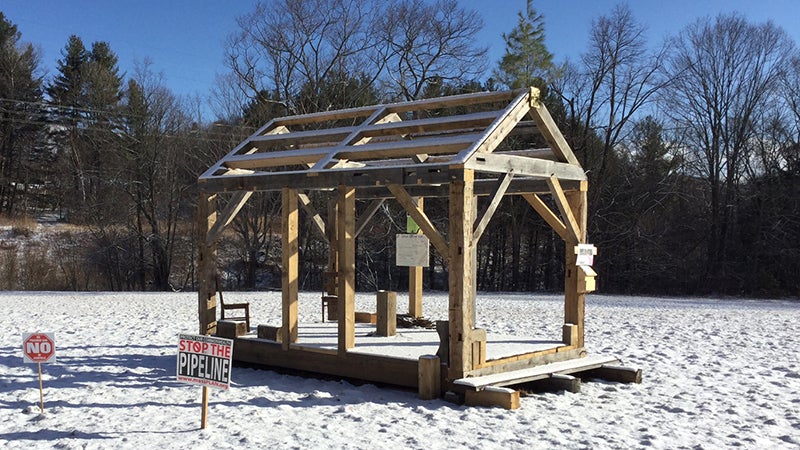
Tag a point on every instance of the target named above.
point(286, 46)
point(615, 79)
point(790, 152)
point(429, 42)
point(724, 72)
point(151, 172)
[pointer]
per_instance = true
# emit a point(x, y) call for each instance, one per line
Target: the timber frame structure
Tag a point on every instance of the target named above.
point(407, 152)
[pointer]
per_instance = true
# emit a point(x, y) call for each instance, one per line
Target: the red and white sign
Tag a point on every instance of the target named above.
point(205, 360)
point(39, 348)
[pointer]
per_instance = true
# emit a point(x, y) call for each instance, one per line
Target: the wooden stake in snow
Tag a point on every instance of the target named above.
point(39, 348)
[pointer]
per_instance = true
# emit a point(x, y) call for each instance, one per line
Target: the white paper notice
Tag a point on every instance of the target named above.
point(412, 250)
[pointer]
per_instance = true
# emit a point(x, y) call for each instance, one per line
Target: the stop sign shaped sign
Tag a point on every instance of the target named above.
point(38, 347)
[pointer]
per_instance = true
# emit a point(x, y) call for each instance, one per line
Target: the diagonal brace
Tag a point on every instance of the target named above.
point(226, 217)
point(486, 215)
point(573, 230)
point(547, 214)
point(316, 219)
point(367, 215)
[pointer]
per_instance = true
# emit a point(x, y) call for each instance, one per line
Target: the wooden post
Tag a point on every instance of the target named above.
point(346, 243)
point(206, 264)
point(387, 313)
point(569, 334)
point(462, 294)
point(204, 409)
point(574, 300)
point(290, 258)
point(332, 283)
point(41, 390)
point(430, 378)
point(478, 347)
point(415, 281)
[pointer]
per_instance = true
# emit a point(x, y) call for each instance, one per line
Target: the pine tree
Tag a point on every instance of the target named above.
point(86, 92)
point(103, 82)
point(67, 87)
point(526, 62)
point(21, 121)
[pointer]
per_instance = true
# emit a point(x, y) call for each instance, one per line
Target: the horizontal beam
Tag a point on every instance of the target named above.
point(333, 135)
point(356, 177)
point(481, 188)
point(425, 104)
point(390, 149)
point(525, 166)
point(353, 138)
point(432, 124)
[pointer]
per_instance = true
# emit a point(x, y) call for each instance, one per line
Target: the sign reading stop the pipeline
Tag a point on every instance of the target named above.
point(205, 360)
point(38, 348)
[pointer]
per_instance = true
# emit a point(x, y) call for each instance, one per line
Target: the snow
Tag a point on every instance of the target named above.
point(717, 374)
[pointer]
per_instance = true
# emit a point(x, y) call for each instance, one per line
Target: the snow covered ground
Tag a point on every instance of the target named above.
point(717, 374)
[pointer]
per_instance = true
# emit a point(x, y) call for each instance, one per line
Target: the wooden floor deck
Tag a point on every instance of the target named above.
point(409, 343)
point(396, 360)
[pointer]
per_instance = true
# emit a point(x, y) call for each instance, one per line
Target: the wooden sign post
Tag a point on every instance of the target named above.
point(205, 360)
point(39, 348)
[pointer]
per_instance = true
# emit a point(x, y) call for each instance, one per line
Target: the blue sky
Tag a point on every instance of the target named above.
point(185, 39)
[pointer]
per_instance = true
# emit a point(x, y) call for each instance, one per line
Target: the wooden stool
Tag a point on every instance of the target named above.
point(332, 303)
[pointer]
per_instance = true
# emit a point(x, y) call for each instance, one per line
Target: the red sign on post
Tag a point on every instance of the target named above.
point(205, 360)
point(38, 348)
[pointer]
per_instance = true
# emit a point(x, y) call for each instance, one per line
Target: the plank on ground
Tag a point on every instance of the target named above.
point(538, 372)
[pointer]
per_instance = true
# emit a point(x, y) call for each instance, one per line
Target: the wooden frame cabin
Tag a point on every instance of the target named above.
point(406, 152)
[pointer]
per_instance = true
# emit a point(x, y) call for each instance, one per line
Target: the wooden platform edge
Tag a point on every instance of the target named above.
point(325, 362)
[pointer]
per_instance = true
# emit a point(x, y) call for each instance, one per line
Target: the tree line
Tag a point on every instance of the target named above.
point(691, 149)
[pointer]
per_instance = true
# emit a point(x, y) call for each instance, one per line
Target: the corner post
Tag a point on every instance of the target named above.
point(462, 294)
point(206, 264)
point(575, 298)
point(289, 259)
point(346, 255)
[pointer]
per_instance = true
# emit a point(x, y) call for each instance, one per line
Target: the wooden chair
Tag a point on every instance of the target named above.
point(233, 307)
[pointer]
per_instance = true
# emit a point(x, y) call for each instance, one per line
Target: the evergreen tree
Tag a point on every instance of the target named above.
point(103, 82)
point(526, 62)
point(67, 87)
point(21, 120)
point(87, 93)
